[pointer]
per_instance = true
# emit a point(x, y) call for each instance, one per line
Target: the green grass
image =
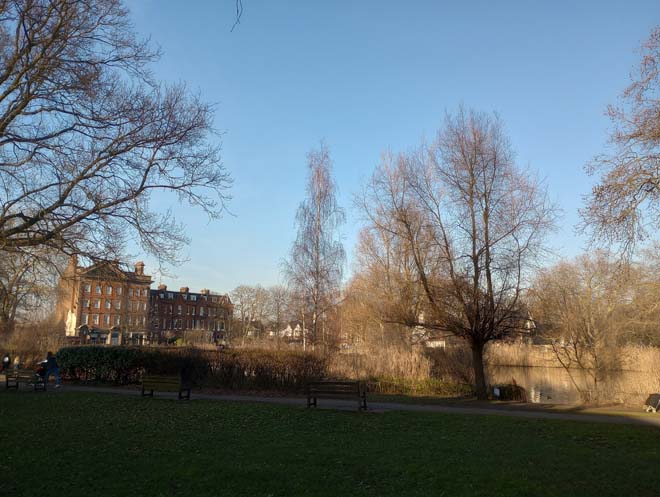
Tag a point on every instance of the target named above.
point(73, 444)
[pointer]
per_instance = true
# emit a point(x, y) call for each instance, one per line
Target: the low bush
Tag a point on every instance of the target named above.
point(124, 365)
point(234, 369)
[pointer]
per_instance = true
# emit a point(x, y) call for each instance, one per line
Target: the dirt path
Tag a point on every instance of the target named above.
point(511, 410)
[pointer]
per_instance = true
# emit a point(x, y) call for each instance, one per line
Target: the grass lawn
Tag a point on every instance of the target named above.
point(77, 444)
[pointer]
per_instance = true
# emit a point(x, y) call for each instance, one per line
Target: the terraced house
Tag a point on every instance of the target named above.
point(202, 317)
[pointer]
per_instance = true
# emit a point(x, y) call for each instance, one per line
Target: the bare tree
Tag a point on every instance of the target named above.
point(278, 308)
point(624, 206)
point(474, 223)
point(584, 307)
point(315, 266)
point(87, 134)
point(27, 287)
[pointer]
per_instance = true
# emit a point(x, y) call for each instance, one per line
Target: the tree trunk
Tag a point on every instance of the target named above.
point(479, 374)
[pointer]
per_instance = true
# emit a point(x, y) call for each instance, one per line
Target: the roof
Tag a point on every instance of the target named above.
point(110, 270)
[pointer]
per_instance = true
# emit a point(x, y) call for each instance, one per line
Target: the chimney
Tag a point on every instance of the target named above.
point(205, 291)
point(162, 287)
point(184, 289)
point(139, 268)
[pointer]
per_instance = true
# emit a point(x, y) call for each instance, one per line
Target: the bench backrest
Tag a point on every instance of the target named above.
point(164, 379)
point(21, 373)
point(334, 387)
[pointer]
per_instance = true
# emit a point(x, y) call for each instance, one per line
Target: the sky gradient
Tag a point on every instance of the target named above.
point(368, 77)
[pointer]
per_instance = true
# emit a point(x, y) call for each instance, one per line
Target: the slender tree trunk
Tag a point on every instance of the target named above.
point(479, 373)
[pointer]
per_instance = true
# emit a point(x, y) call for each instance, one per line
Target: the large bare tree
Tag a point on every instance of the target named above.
point(316, 263)
point(624, 206)
point(474, 223)
point(87, 135)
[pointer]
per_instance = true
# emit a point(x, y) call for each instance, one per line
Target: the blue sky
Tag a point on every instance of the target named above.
point(371, 76)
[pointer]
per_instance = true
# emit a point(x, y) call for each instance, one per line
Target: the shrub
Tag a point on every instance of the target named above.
point(233, 369)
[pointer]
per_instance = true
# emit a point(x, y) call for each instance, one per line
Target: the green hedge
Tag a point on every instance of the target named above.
point(231, 369)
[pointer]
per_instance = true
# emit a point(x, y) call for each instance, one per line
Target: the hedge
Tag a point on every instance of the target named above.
point(233, 369)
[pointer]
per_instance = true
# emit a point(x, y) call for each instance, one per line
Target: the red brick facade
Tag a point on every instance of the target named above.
point(173, 314)
point(103, 303)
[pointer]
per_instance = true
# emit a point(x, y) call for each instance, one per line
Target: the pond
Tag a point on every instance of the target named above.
point(548, 385)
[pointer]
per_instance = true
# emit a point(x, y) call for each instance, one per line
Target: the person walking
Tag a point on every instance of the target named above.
point(52, 368)
point(6, 362)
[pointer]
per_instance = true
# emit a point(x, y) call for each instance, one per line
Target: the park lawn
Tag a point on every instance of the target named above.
point(82, 444)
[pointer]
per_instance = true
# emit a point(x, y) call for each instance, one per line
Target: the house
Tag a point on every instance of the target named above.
point(104, 303)
point(203, 317)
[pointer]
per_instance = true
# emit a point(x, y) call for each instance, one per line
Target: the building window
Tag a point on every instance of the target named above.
point(85, 303)
point(95, 318)
point(108, 290)
point(193, 311)
point(130, 292)
point(84, 319)
point(117, 320)
point(98, 289)
point(87, 288)
point(97, 304)
point(170, 295)
point(119, 290)
point(118, 304)
point(144, 292)
point(193, 298)
point(108, 304)
point(178, 310)
point(106, 319)
point(201, 311)
point(144, 306)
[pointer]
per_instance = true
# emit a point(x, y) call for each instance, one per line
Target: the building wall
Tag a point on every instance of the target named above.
point(119, 307)
point(105, 298)
point(173, 313)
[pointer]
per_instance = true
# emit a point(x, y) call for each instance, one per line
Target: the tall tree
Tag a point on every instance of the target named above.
point(624, 206)
point(316, 263)
point(87, 134)
point(474, 223)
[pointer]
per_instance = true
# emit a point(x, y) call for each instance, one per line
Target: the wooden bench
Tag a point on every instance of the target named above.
point(26, 376)
point(164, 383)
point(336, 389)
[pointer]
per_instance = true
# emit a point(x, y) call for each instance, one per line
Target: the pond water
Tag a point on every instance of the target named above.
point(556, 386)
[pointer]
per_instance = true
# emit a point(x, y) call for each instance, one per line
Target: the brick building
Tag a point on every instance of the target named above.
point(104, 303)
point(196, 317)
